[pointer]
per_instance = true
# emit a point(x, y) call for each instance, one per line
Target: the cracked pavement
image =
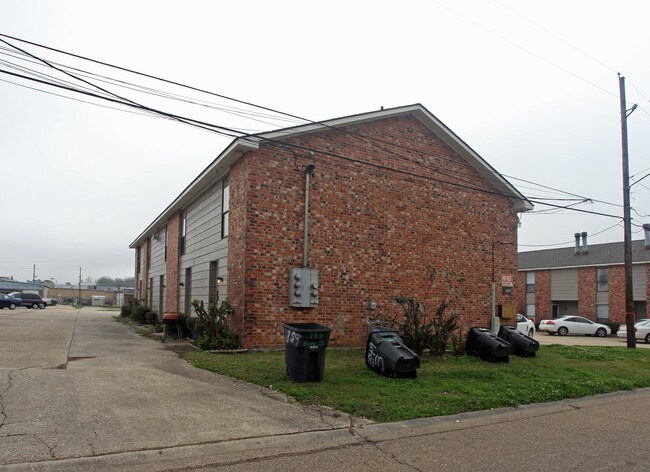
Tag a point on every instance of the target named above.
point(81, 393)
point(77, 384)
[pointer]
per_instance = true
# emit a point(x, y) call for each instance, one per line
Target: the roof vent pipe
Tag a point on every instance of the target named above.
point(585, 249)
point(646, 232)
point(577, 236)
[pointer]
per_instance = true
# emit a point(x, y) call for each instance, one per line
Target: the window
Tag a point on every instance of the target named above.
point(530, 311)
point(183, 231)
point(150, 243)
point(150, 296)
point(213, 288)
point(138, 252)
point(602, 279)
point(530, 282)
point(225, 207)
point(602, 312)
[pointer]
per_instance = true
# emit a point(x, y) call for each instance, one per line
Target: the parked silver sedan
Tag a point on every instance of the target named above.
point(577, 325)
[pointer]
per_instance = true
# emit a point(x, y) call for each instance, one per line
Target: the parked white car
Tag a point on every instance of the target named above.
point(574, 325)
point(641, 328)
point(525, 326)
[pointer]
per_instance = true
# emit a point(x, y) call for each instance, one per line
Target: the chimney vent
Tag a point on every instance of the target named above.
point(585, 249)
point(577, 236)
point(646, 232)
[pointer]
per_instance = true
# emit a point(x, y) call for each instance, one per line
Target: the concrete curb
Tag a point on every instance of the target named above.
point(251, 449)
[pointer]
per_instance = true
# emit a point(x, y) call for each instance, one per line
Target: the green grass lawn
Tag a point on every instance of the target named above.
point(448, 385)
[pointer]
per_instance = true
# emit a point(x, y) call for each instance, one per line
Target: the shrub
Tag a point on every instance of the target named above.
point(420, 330)
point(614, 326)
point(139, 315)
point(151, 318)
point(211, 326)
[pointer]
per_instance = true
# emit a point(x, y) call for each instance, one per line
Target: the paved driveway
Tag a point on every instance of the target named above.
point(544, 338)
point(75, 383)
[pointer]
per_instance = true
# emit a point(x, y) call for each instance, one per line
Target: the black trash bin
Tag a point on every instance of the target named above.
point(489, 347)
point(522, 345)
point(387, 354)
point(304, 350)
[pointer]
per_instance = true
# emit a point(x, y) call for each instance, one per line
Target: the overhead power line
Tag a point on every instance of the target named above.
point(238, 134)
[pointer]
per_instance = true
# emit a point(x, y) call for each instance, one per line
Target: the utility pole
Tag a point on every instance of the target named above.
point(627, 220)
point(79, 298)
point(34, 274)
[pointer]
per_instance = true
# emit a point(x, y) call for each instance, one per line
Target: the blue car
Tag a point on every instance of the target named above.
point(9, 302)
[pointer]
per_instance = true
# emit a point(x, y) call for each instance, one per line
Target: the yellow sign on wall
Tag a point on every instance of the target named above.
point(508, 311)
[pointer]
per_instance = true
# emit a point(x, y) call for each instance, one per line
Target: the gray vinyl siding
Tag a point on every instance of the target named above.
point(203, 244)
point(158, 268)
point(564, 284)
point(639, 283)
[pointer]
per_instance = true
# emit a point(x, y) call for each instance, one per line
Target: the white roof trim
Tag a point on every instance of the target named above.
point(215, 171)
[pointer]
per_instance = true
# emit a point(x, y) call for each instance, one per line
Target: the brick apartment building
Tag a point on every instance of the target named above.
point(382, 194)
point(586, 280)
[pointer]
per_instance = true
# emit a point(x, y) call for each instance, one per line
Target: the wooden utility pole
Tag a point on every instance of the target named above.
point(627, 221)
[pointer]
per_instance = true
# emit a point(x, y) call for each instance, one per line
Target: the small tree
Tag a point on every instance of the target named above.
point(213, 331)
point(419, 329)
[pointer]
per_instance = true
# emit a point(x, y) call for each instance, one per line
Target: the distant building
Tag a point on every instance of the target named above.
point(584, 280)
point(9, 285)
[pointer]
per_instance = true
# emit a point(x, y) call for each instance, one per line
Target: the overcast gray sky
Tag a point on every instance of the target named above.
point(80, 181)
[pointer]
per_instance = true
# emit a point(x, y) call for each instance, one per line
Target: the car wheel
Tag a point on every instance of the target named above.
point(530, 333)
point(601, 332)
point(563, 331)
point(647, 338)
point(12, 306)
point(35, 306)
point(41, 305)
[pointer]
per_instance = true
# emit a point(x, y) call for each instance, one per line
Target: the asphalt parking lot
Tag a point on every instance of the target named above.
point(546, 339)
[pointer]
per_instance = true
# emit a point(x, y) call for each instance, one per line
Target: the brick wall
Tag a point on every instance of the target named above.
point(587, 292)
point(542, 294)
point(173, 254)
point(144, 295)
point(371, 231)
point(617, 294)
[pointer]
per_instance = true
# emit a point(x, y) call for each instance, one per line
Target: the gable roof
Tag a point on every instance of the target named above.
point(599, 255)
point(219, 166)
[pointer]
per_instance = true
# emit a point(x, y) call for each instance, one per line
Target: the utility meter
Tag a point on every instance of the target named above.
point(303, 288)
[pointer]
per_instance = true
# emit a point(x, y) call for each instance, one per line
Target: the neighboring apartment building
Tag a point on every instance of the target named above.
point(584, 280)
point(328, 222)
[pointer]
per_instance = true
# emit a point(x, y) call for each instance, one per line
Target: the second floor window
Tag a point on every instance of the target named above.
point(225, 207)
point(602, 279)
point(530, 282)
point(183, 231)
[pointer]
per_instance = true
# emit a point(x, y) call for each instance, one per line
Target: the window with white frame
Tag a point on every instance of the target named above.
point(225, 207)
point(183, 231)
point(530, 310)
point(602, 279)
point(530, 282)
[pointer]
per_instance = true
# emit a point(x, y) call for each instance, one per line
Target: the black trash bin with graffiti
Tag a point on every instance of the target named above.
point(304, 350)
point(387, 354)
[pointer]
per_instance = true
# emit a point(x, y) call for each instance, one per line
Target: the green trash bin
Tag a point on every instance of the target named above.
point(304, 351)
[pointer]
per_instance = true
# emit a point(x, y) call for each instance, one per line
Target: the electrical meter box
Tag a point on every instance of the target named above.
point(303, 288)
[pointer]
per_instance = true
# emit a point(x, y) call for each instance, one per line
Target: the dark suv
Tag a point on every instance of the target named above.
point(29, 300)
